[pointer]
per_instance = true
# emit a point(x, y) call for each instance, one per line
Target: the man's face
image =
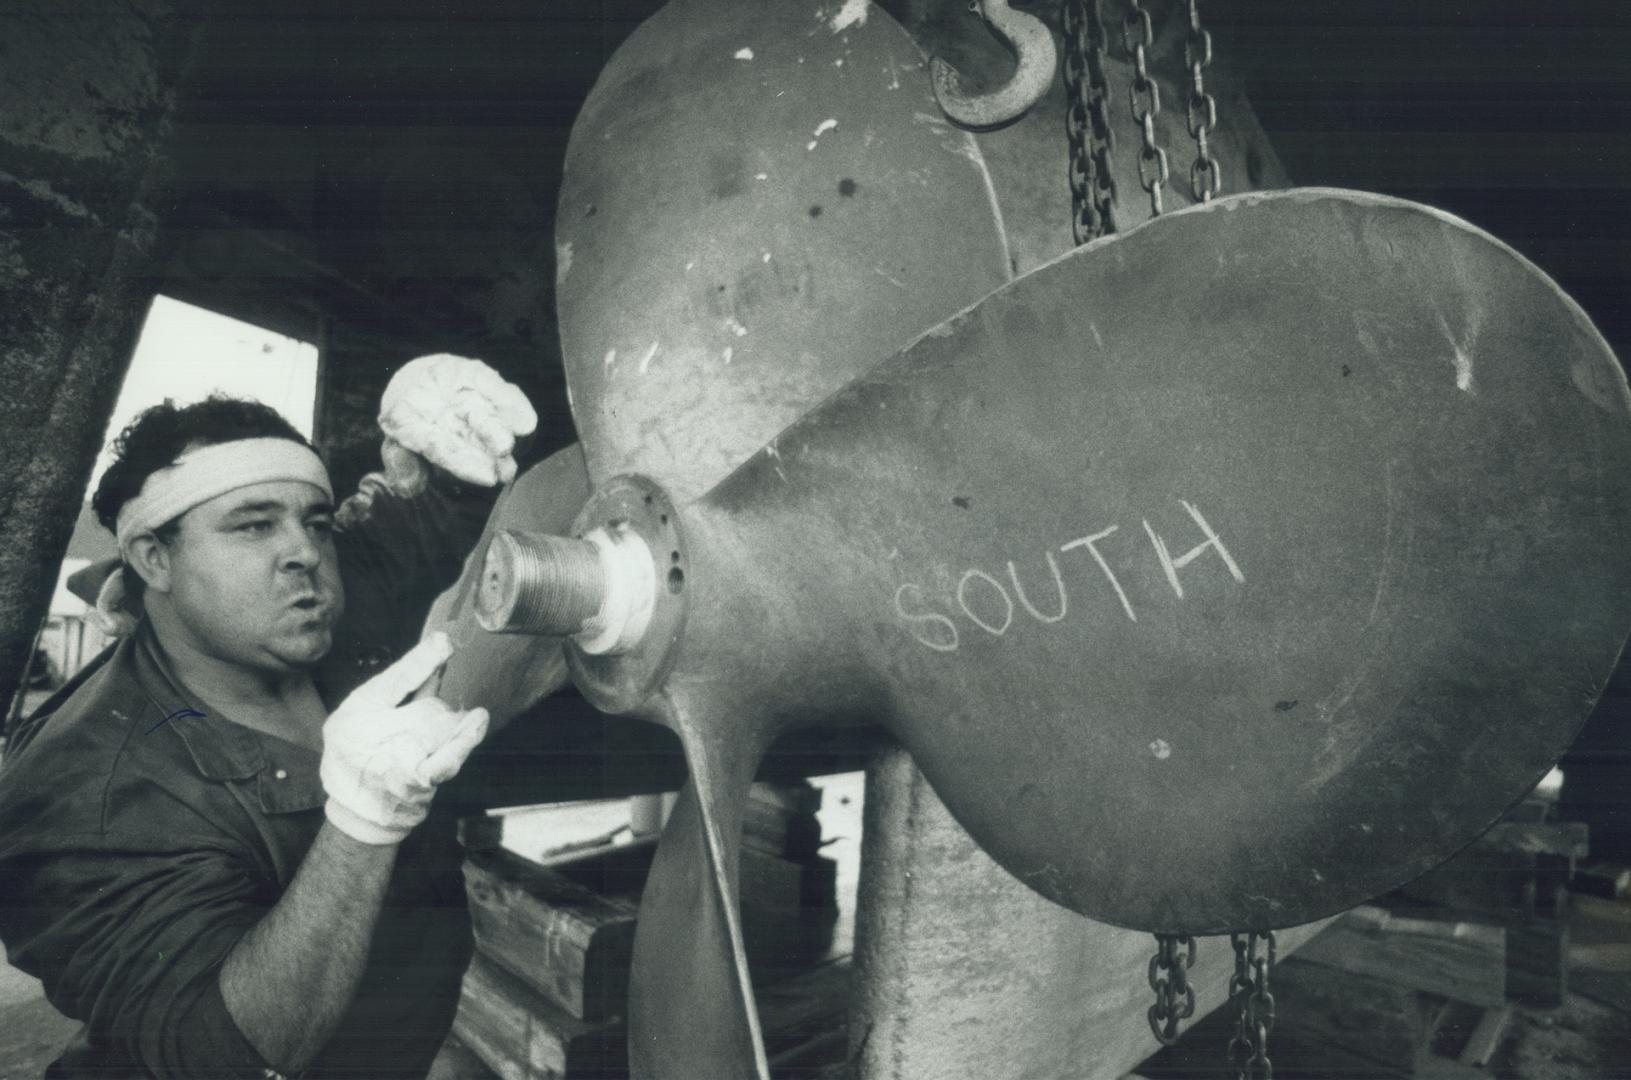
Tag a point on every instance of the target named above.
point(253, 576)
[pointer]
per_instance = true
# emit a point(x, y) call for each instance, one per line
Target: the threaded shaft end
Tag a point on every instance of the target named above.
point(533, 583)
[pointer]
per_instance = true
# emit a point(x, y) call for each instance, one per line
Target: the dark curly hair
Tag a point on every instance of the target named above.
point(159, 435)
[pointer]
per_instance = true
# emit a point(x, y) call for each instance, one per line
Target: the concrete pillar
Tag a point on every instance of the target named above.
point(85, 90)
point(963, 973)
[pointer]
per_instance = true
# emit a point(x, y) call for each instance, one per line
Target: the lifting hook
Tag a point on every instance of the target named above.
point(1032, 44)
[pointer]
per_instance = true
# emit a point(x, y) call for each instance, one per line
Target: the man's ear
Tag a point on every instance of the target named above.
point(150, 557)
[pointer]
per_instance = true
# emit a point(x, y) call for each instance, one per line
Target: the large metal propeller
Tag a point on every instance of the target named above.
point(1221, 574)
point(1295, 523)
point(1230, 617)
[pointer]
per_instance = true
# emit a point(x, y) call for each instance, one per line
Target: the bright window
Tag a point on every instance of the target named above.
point(187, 353)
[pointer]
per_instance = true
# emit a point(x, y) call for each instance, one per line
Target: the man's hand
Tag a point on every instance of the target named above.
point(382, 759)
point(455, 413)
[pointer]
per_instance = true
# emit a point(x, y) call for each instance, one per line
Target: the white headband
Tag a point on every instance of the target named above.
point(200, 475)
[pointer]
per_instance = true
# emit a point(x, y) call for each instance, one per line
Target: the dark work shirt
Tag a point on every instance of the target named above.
point(140, 840)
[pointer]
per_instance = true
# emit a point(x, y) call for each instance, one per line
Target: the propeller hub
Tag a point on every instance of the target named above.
point(599, 589)
point(648, 559)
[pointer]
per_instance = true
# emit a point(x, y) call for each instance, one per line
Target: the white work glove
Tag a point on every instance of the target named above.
point(382, 759)
point(455, 413)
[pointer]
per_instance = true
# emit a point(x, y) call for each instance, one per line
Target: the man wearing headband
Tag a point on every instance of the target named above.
point(218, 845)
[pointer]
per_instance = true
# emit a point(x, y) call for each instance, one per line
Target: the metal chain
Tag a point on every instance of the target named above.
point(1169, 978)
point(1249, 991)
point(1138, 36)
point(1205, 176)
point(1087, 121)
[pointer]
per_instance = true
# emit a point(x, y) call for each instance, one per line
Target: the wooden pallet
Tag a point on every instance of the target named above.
point(546, 994)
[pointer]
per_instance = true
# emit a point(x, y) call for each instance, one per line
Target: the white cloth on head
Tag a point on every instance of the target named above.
point(458, 414)
point(209, 471)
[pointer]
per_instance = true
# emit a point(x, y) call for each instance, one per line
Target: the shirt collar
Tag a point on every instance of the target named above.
point(223, 749)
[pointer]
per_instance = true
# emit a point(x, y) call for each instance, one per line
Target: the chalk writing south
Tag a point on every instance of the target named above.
point(991, 603)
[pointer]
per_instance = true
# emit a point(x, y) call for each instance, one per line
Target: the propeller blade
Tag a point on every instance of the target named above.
point(507, 673)
point(759, 201)
point(691, 1007)
point(1222, 574)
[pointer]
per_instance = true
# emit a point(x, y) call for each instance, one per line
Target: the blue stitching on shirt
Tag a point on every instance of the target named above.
point(178, 714)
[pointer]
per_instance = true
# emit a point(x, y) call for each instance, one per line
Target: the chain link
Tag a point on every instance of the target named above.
point(1169, 978)
point(1087, 121)
point(1138, 36)
point(1249, 991)
point(1205, 175)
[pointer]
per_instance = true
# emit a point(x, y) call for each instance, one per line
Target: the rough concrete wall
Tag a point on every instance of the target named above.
point(84, 90)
